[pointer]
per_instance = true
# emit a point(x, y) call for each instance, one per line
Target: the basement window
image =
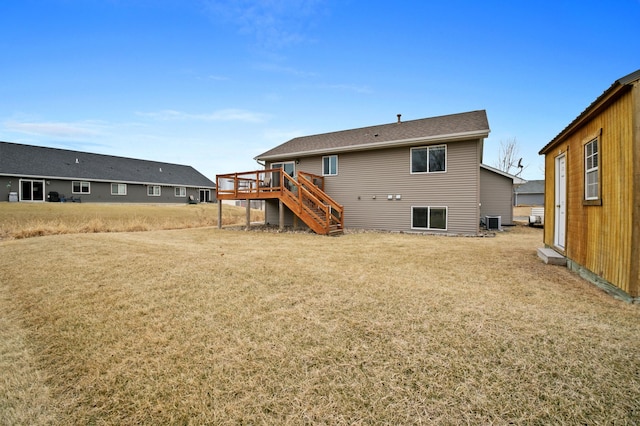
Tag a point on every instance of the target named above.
point(429, 218)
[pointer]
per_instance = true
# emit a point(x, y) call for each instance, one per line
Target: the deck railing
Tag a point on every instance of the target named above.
point(304, 195)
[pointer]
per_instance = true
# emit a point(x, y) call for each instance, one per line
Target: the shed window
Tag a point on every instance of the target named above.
point(118, 189)
point(429, 218)
point(429, 159)
point(591, 167)
point(79, 187)
point(153, 191)
point(330, 165)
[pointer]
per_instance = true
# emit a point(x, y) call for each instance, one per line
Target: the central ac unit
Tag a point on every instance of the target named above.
point(493, 222)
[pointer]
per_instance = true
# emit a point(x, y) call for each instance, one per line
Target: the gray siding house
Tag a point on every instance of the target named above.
point(35, 174)
point(496, 194)
point(530, 193)
point(408, 176)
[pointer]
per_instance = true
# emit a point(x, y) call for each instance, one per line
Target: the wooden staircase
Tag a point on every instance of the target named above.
point(304, 195)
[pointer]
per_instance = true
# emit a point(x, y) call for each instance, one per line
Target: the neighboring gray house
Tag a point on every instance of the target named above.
point(34, 173)
point(496, 194)
point(410, 176)
point(530, 193)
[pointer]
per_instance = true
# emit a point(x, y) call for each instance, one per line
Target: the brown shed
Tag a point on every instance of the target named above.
point(592, 190)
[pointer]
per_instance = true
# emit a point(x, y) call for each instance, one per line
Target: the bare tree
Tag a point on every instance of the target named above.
point(508, 159)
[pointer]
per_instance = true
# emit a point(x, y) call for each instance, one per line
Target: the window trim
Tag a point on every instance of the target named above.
point(324, 172)
point(182, 193)
point(81, 182)
point(428, 228)
point(428, 148)
point(151, 191)
point(119, 185)
point(592, 200)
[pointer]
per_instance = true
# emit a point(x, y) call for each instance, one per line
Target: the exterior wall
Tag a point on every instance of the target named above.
point(599, 237)
point(365, 179)
point(528, 200)
point(100, 192)
point(496, 193)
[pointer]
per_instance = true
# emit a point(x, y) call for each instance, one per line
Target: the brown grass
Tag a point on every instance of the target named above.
point(25, 220)
point(203, 326)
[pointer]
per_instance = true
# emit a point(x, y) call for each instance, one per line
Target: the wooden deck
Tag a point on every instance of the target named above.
point(304, 195)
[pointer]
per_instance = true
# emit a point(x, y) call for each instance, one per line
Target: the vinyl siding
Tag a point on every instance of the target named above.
point(366, 178)
point(100, 192)
point(496, 196)
point(529, 199)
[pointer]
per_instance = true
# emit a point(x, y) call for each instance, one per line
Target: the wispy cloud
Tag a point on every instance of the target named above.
point(230, 114)
point(68, 130)
point(273, 23)
point(280, 69)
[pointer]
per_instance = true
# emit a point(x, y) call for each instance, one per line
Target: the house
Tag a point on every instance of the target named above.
point(407, 176)
point(592, 190)
point(529, 193)
point(35, 174)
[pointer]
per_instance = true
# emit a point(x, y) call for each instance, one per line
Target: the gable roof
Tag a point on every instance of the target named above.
point(453, 127)
point(36, 161)
point(612, 93)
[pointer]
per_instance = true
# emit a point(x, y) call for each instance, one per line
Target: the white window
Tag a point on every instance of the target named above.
point(591, 177)
point(118, 189)
point(153, 191)
point(429, 159)
point(181, 191)
point(429, 218)
point(79, 187)
point(330, 165)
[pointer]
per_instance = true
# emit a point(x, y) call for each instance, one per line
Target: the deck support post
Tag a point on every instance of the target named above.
point(219, 214)
point(248, 214)
point(280, 215)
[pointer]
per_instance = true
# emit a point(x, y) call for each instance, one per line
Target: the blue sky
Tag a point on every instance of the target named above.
point(212, 84)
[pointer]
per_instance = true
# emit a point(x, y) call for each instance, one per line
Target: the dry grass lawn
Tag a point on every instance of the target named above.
point(207, 326)
point(25, 220)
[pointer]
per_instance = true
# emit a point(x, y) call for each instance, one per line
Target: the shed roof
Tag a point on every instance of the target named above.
point(602, 101)
point(453, 127)
point(37, 161)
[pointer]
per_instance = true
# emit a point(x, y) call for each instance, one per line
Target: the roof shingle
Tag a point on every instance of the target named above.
point(36, 161)
point(449, 127)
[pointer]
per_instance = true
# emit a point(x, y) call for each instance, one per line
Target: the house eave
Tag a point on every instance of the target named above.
point(454, 137)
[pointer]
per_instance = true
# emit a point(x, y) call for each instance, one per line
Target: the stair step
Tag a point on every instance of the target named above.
point(551, 257)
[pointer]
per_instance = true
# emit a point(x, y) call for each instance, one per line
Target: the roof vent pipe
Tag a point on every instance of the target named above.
point(399, 115)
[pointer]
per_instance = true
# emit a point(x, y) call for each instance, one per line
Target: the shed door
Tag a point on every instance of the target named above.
point(560, 222)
